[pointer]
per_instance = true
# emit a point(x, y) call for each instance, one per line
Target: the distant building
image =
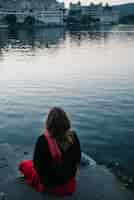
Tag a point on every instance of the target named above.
point(109, 16)
point(50, 17)
point(26, 4)
point(47, 12)
point(75, 6)
point(54, 15)
point(85, 10)
point(95, 11)
point(104, 15)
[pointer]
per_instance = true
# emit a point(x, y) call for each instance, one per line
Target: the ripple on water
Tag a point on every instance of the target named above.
point(81, 72)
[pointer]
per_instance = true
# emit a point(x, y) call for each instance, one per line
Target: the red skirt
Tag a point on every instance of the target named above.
point(27, 169)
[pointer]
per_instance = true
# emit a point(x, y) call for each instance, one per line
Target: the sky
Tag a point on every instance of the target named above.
point(98, 1)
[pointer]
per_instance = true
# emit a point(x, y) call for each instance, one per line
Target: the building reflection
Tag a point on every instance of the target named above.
point(97, 33)
point(31, 38)
point(52, 38)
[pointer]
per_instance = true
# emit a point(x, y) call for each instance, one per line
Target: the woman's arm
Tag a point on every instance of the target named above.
point(72, 158)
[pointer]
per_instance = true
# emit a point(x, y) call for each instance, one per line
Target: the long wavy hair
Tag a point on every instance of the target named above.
point(58, 123)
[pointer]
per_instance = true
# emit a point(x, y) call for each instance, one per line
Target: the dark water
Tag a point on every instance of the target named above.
point(88, 73)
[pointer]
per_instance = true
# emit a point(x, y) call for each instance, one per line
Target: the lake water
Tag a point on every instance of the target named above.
point(88, 73)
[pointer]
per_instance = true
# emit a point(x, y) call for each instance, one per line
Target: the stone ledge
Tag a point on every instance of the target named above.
point(94, 182)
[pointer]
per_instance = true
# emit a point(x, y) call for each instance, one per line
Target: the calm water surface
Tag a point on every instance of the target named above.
point(88, 73)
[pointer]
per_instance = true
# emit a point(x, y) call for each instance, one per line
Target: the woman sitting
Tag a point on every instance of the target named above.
point(56, 157)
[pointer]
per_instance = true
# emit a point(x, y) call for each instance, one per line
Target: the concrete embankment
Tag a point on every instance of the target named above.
point(94, 182)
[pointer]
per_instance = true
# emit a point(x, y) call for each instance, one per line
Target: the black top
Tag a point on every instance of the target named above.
point(54, 174)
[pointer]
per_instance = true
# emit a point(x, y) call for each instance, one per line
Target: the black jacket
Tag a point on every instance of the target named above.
point(51, 174)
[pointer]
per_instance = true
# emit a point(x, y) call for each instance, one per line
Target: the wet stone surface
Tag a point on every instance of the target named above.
point(3, 163)
point(94, 182)
point(121, 173)
point(3, 196)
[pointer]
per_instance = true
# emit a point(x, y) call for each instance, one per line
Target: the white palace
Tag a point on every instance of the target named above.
point(49, 12)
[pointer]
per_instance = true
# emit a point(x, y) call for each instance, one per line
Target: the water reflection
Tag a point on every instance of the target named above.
point(31, 38)
point(101, 34)
point(53, 37)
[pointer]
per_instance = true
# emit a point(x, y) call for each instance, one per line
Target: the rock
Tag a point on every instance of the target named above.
point(2, 196)
point(117, 164)
point(131, 180)
point(125, 178)
point(25, 153)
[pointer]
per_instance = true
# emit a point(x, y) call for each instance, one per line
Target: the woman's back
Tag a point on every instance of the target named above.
point(53, 173)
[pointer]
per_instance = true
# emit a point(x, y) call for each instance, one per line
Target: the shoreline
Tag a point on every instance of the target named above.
point(66, 26)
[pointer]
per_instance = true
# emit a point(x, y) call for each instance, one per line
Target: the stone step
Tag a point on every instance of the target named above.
point(94, 182)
